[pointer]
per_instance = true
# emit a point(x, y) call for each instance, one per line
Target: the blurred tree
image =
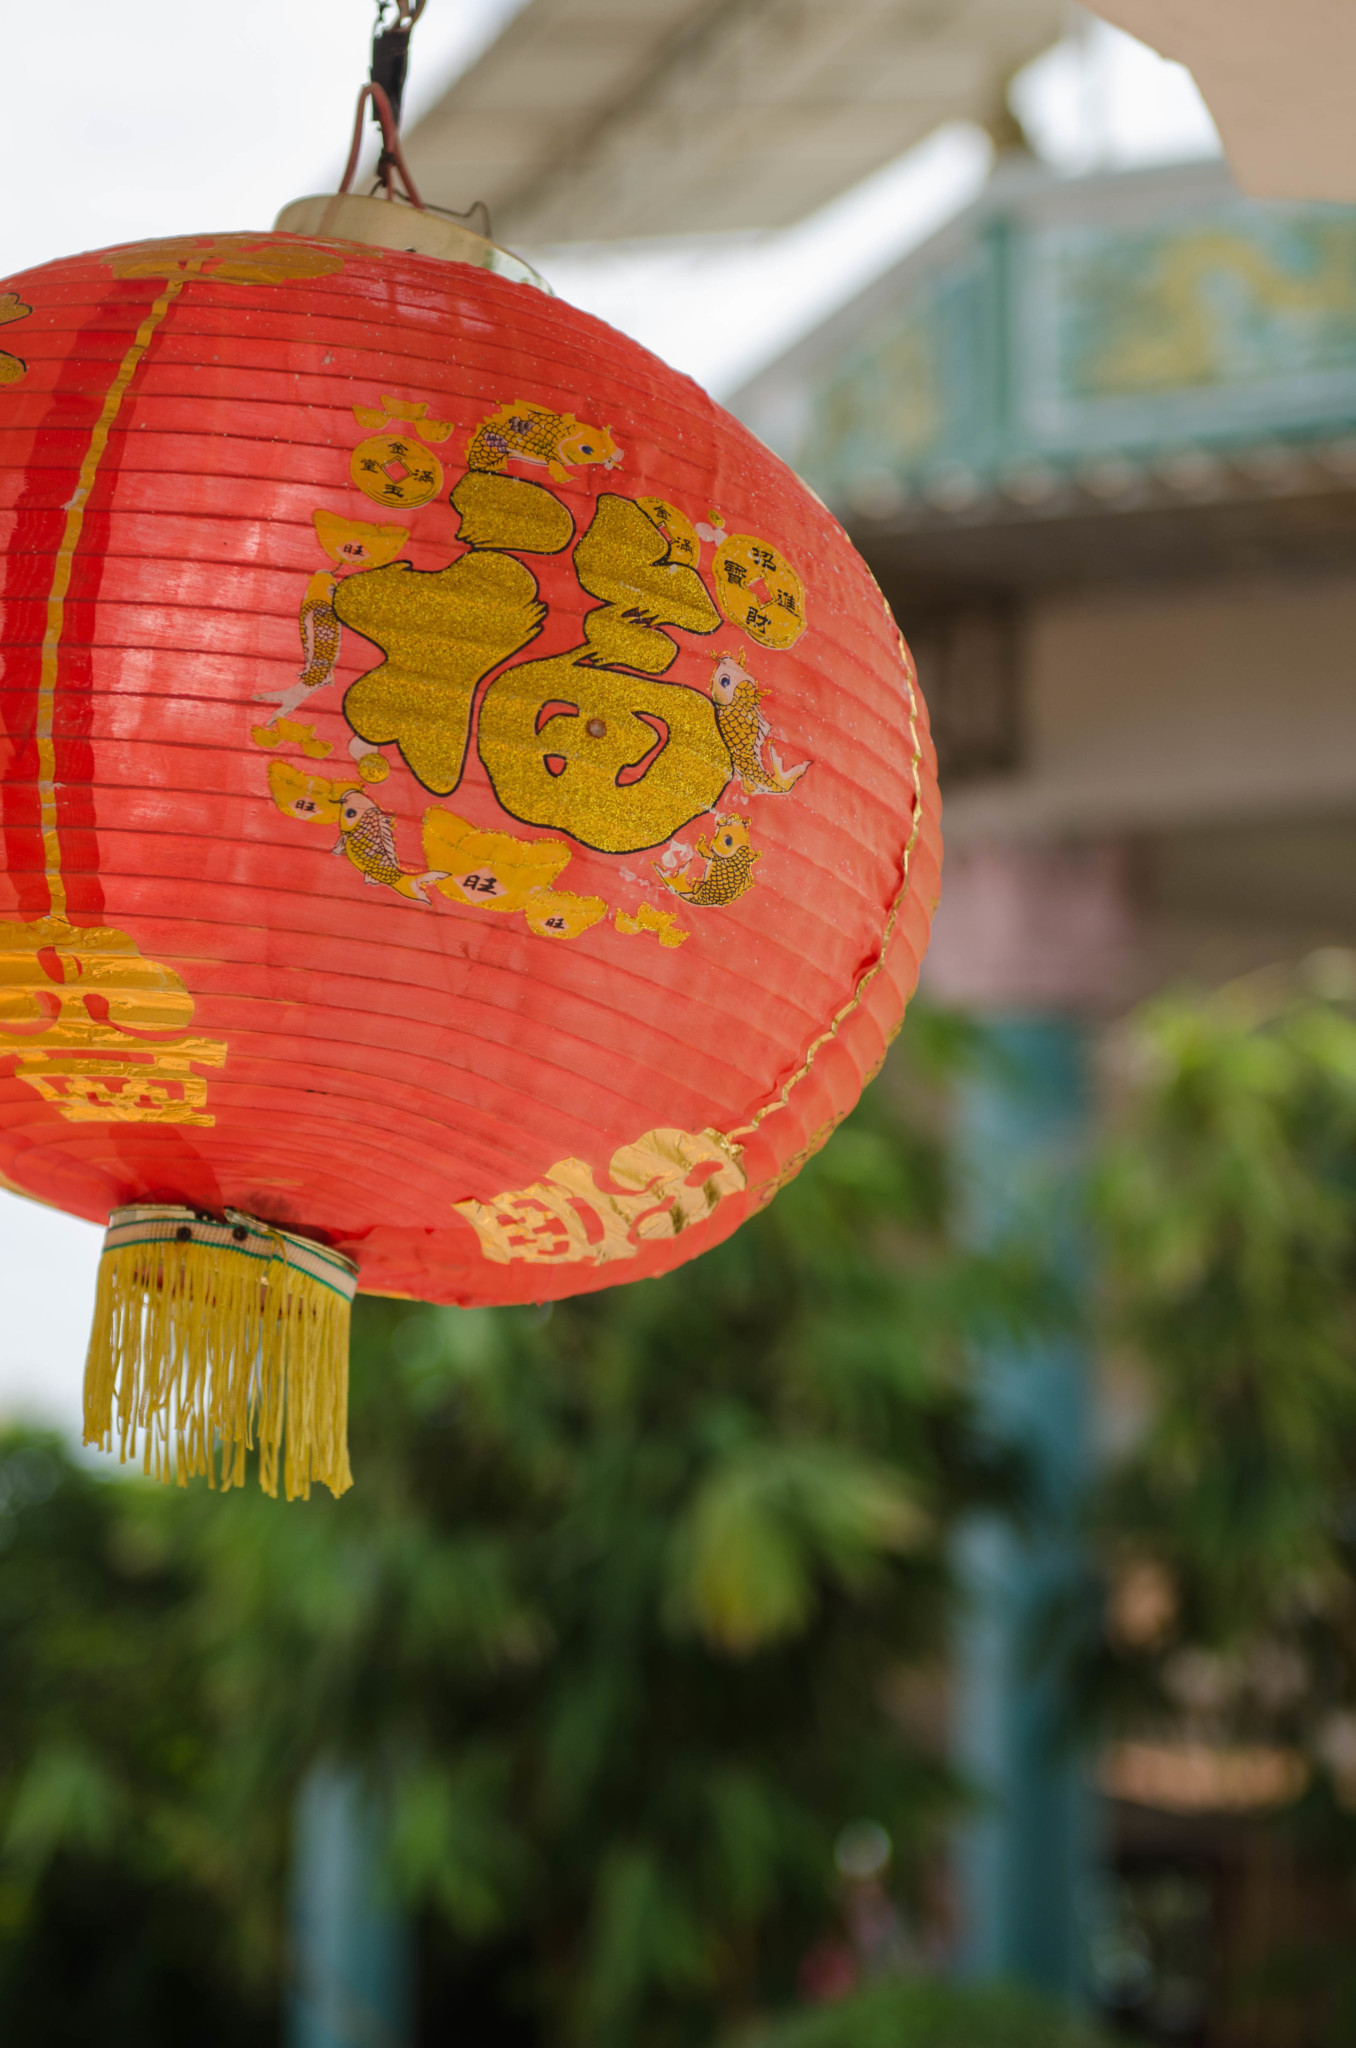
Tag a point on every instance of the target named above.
point(612, 1622)
point(1228, 1197)
point(612, 1616)
point(1231, 1201)
point(930, 2015)
point(110, 1922)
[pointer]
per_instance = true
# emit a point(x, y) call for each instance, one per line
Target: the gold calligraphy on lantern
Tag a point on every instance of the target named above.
point(443, 630)
point(596, 742)
point(97, 1030)
point(225, 259)
point(579, 741)
point(665, 1182)
point(589, 742)
point(12, 307)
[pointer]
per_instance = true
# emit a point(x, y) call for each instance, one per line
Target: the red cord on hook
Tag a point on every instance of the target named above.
point(392, 157)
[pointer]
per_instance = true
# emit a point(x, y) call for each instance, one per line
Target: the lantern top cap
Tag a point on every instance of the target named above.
point(386, 224)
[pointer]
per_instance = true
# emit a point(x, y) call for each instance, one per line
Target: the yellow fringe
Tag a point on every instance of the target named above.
point(201, 1352)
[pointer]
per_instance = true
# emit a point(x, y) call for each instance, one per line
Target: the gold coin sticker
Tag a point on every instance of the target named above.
point(373, 767)
point(759, 591)
point(676, 528)
point(396, 469)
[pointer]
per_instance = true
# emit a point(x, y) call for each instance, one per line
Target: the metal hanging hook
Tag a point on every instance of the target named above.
point(391, 48)
point(385, 90)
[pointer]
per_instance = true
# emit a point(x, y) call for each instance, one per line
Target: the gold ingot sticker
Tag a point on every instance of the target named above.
point(759, 591)
point(396, 470)
point(314, 799)
point(647, 919)
point(677, 529)
point(556, 914)
point(492, 870)
point(352, 544)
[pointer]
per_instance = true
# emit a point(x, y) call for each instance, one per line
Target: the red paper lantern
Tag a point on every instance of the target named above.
point(467, 806)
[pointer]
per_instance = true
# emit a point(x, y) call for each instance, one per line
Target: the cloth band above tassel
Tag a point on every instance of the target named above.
point(211, 1338)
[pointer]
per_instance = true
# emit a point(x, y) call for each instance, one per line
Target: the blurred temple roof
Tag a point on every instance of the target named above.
point(1097, 441)
point(598, 119)
point(1133, 374)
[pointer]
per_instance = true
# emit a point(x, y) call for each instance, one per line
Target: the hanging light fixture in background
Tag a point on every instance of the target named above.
point(469, 821)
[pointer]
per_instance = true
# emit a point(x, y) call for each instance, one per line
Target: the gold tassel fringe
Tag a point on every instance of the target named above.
point(212, 1337)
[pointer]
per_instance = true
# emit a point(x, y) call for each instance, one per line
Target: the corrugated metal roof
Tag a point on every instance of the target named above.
point(600, 119)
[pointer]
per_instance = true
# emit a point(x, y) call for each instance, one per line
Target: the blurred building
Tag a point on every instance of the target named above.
point(1098, 442)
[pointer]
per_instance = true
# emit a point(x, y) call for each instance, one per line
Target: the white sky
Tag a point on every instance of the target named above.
point(171, 118)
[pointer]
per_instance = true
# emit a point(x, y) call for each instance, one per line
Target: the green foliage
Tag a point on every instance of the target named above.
point(1229, 1205)
point(1230, 1200)
point(105, 1851)
point(610, 1621)
point(929, 2015)
point(610, 1613)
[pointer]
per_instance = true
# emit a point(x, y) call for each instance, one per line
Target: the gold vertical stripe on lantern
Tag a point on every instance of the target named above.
point(208, 1338)
point(61, 583)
